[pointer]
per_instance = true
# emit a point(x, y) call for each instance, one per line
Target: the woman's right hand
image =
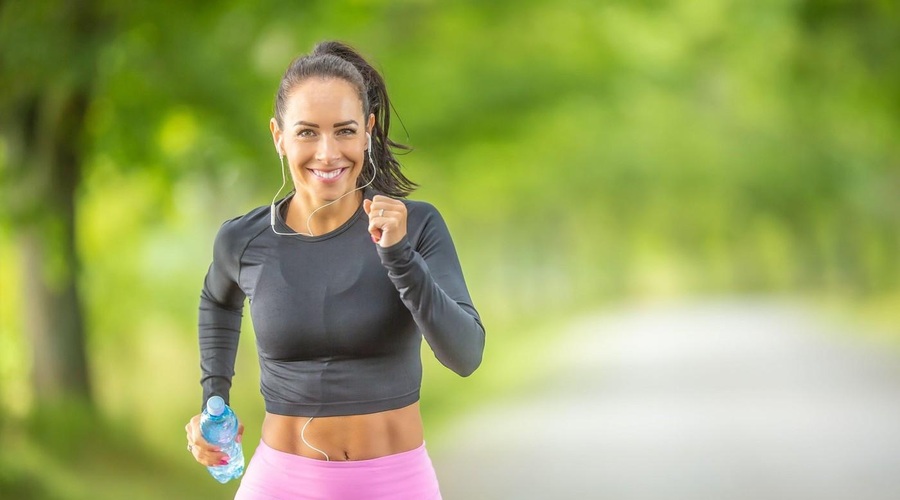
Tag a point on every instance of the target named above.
point(204, 452)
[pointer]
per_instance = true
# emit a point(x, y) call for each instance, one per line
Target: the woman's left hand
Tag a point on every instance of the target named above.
point(387, 220)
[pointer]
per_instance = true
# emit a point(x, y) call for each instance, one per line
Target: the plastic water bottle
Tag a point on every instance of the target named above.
point(219, 426)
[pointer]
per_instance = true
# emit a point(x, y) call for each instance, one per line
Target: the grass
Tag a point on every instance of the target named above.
point(85, 458)
point(875, 318)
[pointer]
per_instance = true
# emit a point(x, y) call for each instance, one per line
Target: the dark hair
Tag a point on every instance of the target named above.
point(337, 60)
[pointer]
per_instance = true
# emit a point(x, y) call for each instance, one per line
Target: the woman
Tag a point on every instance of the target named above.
point(344, 276)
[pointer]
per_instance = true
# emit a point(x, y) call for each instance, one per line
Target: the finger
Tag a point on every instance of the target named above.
point(387, 204)
point(382, 225)
point(379, 202)
point(202, 451)
point(379, 220)
point(383, 213)
point(386, 214)
point(211, 459)
point(367, 206)
point(380, 198)
point(209, 455)
point(240, 434)
point(392, 225)
point(189, 435)
point(376, 233)
point(215, 459)
point(195, 437)
point(373, 228)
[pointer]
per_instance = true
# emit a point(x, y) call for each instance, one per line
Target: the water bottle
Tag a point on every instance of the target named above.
point(219, 426)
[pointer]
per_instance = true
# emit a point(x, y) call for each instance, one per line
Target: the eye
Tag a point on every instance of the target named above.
point(306, 132)
point(346, 131)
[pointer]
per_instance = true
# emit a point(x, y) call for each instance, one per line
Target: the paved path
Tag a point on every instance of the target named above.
point(724, 400)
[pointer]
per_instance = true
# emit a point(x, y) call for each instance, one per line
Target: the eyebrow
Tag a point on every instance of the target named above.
point(315, 125)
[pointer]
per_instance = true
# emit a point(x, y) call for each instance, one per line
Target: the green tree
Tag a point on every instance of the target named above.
point(48, 69)
point(67, 94)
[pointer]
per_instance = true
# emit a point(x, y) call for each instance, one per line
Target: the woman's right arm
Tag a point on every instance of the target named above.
point(221, 311)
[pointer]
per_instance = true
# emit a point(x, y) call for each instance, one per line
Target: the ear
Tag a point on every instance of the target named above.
point(277, 136)
point(370, 123)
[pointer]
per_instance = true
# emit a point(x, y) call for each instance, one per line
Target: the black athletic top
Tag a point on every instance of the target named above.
point(338, 319)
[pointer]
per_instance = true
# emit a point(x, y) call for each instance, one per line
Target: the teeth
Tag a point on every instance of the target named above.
point(328, 175)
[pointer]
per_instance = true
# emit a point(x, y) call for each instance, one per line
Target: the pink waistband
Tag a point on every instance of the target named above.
point(289, 459)
point(276, 474)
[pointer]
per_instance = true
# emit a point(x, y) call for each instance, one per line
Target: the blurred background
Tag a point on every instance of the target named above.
point(585, 154)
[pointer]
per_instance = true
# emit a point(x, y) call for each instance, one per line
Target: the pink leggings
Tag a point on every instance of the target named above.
point(275, 474)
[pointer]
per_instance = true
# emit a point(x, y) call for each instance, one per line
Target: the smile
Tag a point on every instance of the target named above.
point(328, 174)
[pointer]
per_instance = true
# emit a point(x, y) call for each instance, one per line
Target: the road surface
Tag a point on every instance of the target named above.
point(727, 399)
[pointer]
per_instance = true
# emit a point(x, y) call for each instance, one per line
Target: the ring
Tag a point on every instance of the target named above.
point(190, 447)
point(381, 214)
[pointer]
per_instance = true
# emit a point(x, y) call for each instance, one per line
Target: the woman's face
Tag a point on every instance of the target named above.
point(324, 138)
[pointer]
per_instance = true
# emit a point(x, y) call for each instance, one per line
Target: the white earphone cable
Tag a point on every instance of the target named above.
point(303, 438)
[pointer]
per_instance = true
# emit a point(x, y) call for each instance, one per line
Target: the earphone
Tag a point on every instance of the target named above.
point(272, 207)
point(283, 181)
point(303, 438)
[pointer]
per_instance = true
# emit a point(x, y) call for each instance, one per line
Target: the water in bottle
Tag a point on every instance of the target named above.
point(219, 426)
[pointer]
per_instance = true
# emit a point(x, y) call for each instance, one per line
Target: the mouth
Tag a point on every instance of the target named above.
point(329, 175)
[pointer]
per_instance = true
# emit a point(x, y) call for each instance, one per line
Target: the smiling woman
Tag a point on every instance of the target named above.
point(345, 277)
point(325, 147)
point(324, 160)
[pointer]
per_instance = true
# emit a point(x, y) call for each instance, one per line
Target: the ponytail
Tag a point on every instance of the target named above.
point(336, 60)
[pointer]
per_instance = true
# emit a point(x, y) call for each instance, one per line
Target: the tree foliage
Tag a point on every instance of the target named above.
point(579, 151)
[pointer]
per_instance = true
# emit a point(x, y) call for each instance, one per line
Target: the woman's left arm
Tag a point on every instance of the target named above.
point(431, 285)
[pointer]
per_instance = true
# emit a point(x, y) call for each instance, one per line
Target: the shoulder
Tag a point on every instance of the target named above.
point(420, 208)
point(426, 225)
point(235, 233)
point(422, 214)
point(418, 213)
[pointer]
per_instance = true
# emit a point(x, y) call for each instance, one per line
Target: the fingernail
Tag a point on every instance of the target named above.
point(224, 461)
point(374, 239)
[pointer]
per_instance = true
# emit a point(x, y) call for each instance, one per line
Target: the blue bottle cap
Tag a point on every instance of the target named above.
point(215, 406)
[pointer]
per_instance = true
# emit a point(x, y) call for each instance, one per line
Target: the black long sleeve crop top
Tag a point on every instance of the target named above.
point(339, 320)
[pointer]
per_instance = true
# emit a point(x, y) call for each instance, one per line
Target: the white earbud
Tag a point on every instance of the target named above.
point(369, 137)
point(280, 152)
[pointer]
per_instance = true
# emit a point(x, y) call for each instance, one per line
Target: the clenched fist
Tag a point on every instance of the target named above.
point(387, 220)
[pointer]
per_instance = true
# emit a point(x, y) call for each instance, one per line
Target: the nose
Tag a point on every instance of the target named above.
point(327, 150)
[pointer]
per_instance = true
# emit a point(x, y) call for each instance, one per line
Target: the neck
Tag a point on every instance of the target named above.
point(321, 216)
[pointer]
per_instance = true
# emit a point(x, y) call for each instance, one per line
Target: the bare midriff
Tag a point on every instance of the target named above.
point(351, 437)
